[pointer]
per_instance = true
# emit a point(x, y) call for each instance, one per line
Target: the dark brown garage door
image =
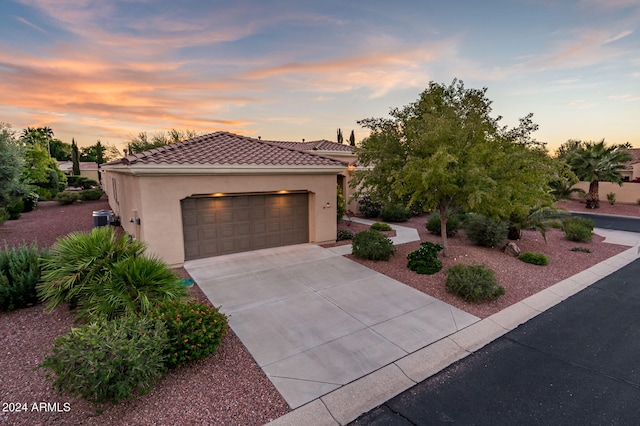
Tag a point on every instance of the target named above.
point(215, 226)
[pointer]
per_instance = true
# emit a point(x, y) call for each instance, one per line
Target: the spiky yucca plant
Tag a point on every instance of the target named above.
point(80, 262)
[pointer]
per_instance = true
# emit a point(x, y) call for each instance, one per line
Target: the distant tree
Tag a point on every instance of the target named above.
point(594, 162)
point(11, 163)
point(142, 143)
point(352, 139)
point(38, 136)
point(446, 153)
point(99, 153)
point(42, 171)
point(61, 151)
point(75, 158)
point(340, 139)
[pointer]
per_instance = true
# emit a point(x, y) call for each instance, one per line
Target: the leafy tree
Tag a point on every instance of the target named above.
point(11, 163)
point(41, 170)
point(142, 143)
point(594, 162)
point(99, 153)
point(567, 148)
point(75, 158)
point(60, 150)
point(38, 136)
point(446, 152)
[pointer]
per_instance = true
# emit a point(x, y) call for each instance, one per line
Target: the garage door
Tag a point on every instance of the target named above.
point(215, 226)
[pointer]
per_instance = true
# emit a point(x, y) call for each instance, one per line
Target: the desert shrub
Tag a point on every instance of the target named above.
point(109, 360)
point(581, 249)
point(15, 209)
point(19, 275)
point(425, 259)
point(473, 283)
point(44, 194)
point(91, 194)
point(484, 231)
point(344, 234)
point(611, 197)
point(30, 200)
point(195, 329)
point(534, 258)
point(372, 245)
point(80, 262)
point(67, 197)
point(578, 229)
point(81, 182)
point(554, 223)
point(453, 225)
point(368, 207)
point(381, 226)
point(134, 284)
point(395, 213)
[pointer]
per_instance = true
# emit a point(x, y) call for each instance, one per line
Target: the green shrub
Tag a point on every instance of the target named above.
point(30, 201)
point(425, 259)
point(473, 283)
point(381, 226)
point(453, 225)
point(534, 258)
point(344, 234)
point(109, 360)
point(368, 207)
point(15, 209)
point(611, 197)
point(4, 215)
point(372, 245)
point(341, 205)
point(554, 223)
point(91, 194)
point(578, 229)
point(135, 284)
point(486, 232)
point(80, 262)
point(81, 182)
point(67, 197)
point(395, 213)
point(195, 329)
point(19, 275)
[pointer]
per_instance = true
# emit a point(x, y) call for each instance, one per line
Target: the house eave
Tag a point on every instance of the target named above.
point(219, 169)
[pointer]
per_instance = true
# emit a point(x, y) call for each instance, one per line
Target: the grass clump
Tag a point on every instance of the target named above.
point(473, 283)
point(381, 226)
point(581, 249)
point(534, 258)
point(578, 229)
point(372, 245)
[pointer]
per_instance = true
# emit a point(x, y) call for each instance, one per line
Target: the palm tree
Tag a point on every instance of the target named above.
point(594, 162)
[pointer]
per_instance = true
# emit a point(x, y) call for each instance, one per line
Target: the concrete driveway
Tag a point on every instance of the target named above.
point(314, 320)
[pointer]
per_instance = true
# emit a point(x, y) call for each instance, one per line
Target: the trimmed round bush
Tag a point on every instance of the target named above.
point(473, 283)
point(372, 245)
point(109, 360)
point(67, 197)
point(344, 234)
point(534, 258)
point(369, 208)
point(453, 225)
point(578, 229)
point(91, 194)
point(425, 259)
point(486, 232)
point(381, 226)
point(195, 329)
point(395, 213)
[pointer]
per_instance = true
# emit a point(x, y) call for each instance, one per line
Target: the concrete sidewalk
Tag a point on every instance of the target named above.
point(348, 402)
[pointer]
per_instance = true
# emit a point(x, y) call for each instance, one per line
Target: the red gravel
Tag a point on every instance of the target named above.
point(227, 388)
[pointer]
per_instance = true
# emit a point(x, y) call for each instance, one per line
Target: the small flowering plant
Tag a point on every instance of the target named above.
point(195, 329)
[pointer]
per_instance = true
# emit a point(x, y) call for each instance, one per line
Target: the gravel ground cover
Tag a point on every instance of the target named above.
point(229, 388)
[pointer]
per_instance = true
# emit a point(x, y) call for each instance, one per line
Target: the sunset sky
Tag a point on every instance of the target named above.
point(288, 70)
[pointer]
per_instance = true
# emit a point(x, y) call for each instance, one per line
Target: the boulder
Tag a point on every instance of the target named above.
point(511, 249)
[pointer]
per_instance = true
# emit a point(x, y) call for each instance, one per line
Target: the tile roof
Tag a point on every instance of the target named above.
point(320, 145)
point(635, 155)
point(230, 149)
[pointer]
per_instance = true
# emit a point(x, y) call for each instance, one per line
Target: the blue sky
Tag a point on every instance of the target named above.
point(288, 70)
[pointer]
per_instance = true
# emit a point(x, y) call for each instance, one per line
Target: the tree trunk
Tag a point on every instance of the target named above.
point(443, 230)
point(593, 198)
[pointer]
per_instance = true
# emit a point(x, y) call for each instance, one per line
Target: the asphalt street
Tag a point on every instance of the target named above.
point(619, 223)
point(578, 363)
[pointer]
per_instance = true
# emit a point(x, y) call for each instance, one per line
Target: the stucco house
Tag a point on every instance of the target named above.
point(632, 170)
point(224, 193)
point(88, 169)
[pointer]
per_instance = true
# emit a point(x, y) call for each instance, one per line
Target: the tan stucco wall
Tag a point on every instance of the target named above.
point(90, 174)
point(628, 193)
point(156, 201)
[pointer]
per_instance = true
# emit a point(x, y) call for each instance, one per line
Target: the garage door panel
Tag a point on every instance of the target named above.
point(223, 225)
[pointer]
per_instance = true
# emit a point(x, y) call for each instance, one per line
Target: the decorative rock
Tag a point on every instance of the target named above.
point(511, 249)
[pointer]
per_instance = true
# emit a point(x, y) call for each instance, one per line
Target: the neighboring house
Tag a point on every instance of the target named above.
point(223, 193)
point(632, 172)
point(88, 169)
